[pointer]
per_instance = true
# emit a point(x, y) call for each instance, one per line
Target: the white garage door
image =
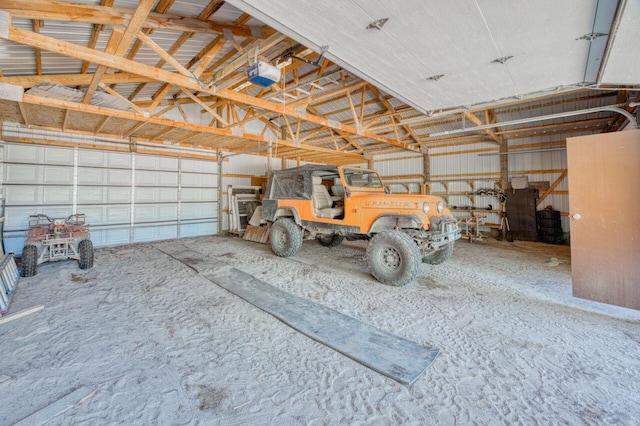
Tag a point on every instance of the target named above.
point(126, 197)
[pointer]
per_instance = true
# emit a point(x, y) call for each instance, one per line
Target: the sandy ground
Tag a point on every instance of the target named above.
point(162, 345)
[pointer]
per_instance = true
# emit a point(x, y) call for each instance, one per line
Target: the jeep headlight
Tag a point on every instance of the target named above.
point(440, 206)
point(425, 208)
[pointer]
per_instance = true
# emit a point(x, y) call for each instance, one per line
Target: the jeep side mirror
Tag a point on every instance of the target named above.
point(347, 192)
point(387, 190)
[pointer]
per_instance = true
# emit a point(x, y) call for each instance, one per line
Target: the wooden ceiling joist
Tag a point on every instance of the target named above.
point(141, 120)
point(105, 59)
point(111, 16)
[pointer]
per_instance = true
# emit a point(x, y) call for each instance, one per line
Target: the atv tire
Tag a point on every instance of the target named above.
point(330, 240)
point(29, 261)
point(440, 256)
point(393, 258)
point(285, 237)
point(85, 250)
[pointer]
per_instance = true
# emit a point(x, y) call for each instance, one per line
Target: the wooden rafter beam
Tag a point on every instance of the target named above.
point(28, 81)
point(120, 44)
point(163, 54)
point(122, 98)
point(392, 110)
point(205, 106)
point(213, 46)
point(23, 113)
point(162, 7)
point(109, 112)
point(112, 45)
point(475, 120)
point(37, 24)
point(65, 120)
point(112, 16)
point(105, 59)
point(101, 124)
point(95, 33)
point(265, 45)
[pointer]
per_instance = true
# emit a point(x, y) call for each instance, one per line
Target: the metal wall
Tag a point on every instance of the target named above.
point(126, 197)
point(468, 172)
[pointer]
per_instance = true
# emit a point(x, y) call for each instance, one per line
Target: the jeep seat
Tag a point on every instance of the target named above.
point(322, 202)
point(337, 190)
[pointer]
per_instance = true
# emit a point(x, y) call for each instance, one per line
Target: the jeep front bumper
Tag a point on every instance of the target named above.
point(444, 230)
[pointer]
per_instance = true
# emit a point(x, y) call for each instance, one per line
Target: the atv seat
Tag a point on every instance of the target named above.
point(322, 202)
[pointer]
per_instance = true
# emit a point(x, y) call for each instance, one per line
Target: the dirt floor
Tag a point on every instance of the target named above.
point(160, 344)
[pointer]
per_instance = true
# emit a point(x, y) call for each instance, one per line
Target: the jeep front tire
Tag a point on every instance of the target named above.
point(393, 258)
point(285, 237)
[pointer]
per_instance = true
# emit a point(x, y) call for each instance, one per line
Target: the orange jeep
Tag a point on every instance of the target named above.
point(404, 230)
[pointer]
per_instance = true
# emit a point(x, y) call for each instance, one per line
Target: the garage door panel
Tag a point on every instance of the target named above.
point(118, 160)
point(154, 233)
point(199, 180)
point(118, 177)
point(91, 195)
point(94, 215)
point(17, 218)
point(156, 195)
point(149, 162)
point(118, 195)
point(59, 212)
point(91, 176)
point(58, 175)
point(63, 156)
point(109, 237)
point(115, 236)
point(23, 154)
point(19, 195)
point(40, 179)
point(22, 173)
point(154, 213)
point(199, 194)
point(57, 195)
point(13, 242)
point(198, 211)
point(118, 214)
point(90, 158)
point(151, 178)
point(197, 229)
point(202, 166)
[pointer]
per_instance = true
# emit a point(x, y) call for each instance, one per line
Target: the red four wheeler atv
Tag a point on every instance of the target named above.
point(50, 239)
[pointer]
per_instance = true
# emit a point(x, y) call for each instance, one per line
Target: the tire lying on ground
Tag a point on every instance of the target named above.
point(330, 240)
point(85, 250)
point(439, 256)
point(29, 261)
point(393, 258)
point(285, 237)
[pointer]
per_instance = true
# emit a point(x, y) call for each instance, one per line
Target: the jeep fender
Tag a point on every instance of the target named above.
point(388, 222)
point(272, 213)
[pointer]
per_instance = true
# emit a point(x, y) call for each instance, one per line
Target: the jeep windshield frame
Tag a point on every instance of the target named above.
point(367, 180)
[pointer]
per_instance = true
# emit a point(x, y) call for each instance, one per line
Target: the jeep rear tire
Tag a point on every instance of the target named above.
point(393, 258)
point(29, 261)
point(330, 240)
point(440, 256)
point(285, 237)
point(85, 250)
